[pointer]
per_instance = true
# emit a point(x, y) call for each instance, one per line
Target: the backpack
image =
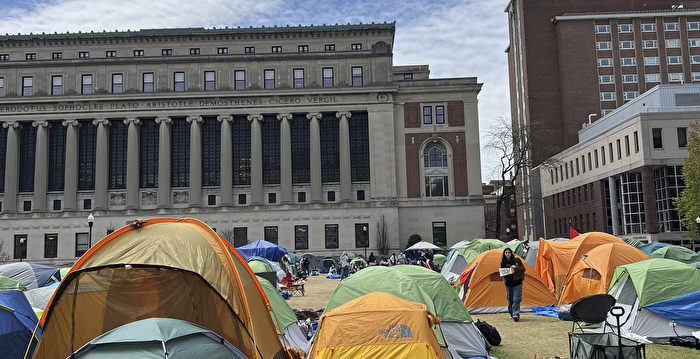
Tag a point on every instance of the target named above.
point(489, 332)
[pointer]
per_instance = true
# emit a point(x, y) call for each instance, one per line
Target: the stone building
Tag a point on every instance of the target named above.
point(306, 136)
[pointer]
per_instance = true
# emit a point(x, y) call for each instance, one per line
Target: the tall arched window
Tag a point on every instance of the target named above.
point(436, 171)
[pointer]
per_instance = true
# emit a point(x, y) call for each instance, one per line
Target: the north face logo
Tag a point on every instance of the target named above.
point(396, 331)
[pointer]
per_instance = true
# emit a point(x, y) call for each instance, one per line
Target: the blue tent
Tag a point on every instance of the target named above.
point(261, 248)
point(17, 321)
point(684, 309)
point(648, 248)
point(31, 275)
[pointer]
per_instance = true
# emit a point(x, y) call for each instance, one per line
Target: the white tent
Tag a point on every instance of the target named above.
point(422, 245)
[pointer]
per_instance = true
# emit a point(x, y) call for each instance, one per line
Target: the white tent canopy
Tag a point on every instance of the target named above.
point(459, 244)
point(422, 245)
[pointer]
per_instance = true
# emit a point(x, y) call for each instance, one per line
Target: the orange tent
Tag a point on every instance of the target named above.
point(592, 272)
point(165, 267)
point(588, 241)
point(485, 291)
point(377, 325)
point(553, 260)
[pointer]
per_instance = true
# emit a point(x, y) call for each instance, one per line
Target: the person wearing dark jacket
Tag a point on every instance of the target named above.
point(513, 282)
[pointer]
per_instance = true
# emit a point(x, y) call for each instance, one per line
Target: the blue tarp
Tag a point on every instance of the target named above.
point(648, 248)
point(17, 321)
point(31, 275)
point(684, 309)
point(261, 248)
point(547, 310)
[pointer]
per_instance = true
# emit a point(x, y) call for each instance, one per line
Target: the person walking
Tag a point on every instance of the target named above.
point(513, 282)
point(344, 265)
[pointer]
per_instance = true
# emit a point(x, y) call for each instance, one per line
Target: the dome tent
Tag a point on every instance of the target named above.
point(31, 275)
point(677, 253)
point(262, 248)
point(139, 272)
point(284, 318)
point(17, 321)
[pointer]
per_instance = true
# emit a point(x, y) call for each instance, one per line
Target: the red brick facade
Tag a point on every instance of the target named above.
point(411, 114)
point(455, 113)
point(583, 207)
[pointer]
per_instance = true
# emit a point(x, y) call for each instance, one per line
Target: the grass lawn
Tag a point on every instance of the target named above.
point(533, 335)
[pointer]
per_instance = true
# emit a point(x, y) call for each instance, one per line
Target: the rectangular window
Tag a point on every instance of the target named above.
point(628, 61)
point(30, 56)
point(619, 149)
point(166, 52)
point(301, 197)
point(674, 60)
point(652, 60)
point(56, 85)
point(605, 62)
point(408, 76)
point(239, 79)
point(636, 142)
point(249, 50)
point(427, 115)
point(327, 77)
point(602, 29)
point(629, 79)
point(271, 234)
point(242, 198)
point(277, 49)
point(222, 50)
point(331, 196)
point(675, 77)
point(590, 167)
point(602, 154)
point(329, 47)
point(440, 114)
point(148, 156)
point(86, 85)
point(606, 111)
point(610, 152)
point(357, 75)
point(4, 57)
point(179, 81)
point(331, 236)
point(361, 235)
point(82, 243)
point(693, 25)
point(20, 246)
point(269, 79)
point(624, 28)
point(148, 82)
point(57, 157)
point(360, 195)
point(2, 86)
point(303, 48)
point(272, 198)
point(583, 163)
point(138, 53)
point(652, 78)
point(656, 136)
point(649, 44)
point(695, 59)
point(195, 51)
point(693, 42)
point(356, 47)
point(27, 86)
point(440, 233)
point(607, 96)
point(627, 145)
point(57, 55)
point(606, 79)
point(298, 78)
point(240, 236)
point(301, 237)
point(682, 137)
point(117, 83)
point(578, 168)
point(670, 26)
point(629, 95)
point(673, 43)
point(626, 44)
point(648, 27)
point(695, 76)
point(595, 155)
point(603, 45)
point(51, 245)
point(209, 80)
point(110, 54)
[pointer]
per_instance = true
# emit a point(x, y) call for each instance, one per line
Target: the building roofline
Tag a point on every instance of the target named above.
point(625, 14)
point(195, 31)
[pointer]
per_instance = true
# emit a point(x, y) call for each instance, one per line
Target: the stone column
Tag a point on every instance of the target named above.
point(613, 206)
point(226, 161)
point(345, 169)
point(132, 163)
point(256, 167)
point(101, 164)
point(315, 157)
point(70, 185)
point(41, 165)
point(163, 162)
point(286, 158)
point(650, 215)
point(11, 167)
point(195, 160)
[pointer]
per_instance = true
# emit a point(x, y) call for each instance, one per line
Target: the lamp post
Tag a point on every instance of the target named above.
point(90, 219)
point(508, 233)
point(365, 239)
point(697, 220)
point(23, 251)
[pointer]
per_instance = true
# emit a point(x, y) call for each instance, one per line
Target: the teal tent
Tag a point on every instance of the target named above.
point(677, 253)
point(651, 247)
point(325, 264)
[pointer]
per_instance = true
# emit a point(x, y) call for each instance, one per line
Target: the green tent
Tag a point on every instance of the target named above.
point(10, 284)
point(677, 253)
point(325, 264)
point(158, 338)
point(421, 285)
point(633, 242)
point(478, 246)
point(361, 262)
point(64, 271)
point(658, 279)
point(518, 247)
point(439, 260)
point(258, 266)
point(351, 256)
point(283, 316)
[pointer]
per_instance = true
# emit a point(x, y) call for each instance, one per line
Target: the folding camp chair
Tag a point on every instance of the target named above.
point(291, 286)
point(594, 309)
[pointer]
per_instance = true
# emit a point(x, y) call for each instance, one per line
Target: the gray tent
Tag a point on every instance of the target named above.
point(534, 247)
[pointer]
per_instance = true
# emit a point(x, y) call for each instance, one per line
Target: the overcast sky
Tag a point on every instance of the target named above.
point(456, 38)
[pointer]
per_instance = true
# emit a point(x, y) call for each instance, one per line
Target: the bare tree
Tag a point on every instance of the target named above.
point(110, 228)
point(227, 234)
point(382, 237)
point(4, 257)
